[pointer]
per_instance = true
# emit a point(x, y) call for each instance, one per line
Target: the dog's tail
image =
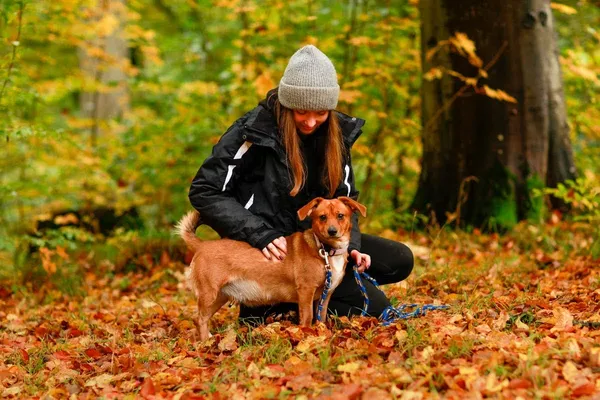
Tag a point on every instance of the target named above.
point(186, 228)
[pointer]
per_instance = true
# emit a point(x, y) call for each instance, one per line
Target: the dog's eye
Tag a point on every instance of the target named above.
point(323, 217)
point(340, 216)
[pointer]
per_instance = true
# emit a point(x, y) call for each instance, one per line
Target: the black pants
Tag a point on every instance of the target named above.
point(391, 262)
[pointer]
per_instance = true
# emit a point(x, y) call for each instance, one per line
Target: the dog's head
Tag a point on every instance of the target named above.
point(332, 219)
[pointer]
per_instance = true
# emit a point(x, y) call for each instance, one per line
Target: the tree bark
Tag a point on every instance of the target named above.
point(509, 148)
point(106, 70)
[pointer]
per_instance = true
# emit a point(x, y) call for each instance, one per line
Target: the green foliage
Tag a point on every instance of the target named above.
point(579, 42)
point(535, 211)
point(191, 69)
point(583, 196)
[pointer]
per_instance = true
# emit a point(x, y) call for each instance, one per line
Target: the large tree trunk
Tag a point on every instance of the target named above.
point(508, 148)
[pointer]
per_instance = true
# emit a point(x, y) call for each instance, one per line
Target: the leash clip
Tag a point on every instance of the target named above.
point(325, 256)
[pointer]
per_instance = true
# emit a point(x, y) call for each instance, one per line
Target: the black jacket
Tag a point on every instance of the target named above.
point(242, 189)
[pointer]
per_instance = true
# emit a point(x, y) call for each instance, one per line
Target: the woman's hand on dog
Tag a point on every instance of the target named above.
point(277, 248)
point(362, 260)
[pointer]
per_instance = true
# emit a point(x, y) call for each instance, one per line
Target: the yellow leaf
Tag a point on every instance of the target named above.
point(563, 8)
point(349, 96)
point(69, 218)
point(467, 371)
point(310, 343)
point(492, 385)
point(148, 303)
point(466, 47)
point(498, 94)
point(433, 73)
point(62, 253)
point(198, 88)
point(100, 381)
point(271, 373)
point(570, 372)
point(426, 354)
point(563, 318)
point(584, 73)
point(227, 3)
point(229, 342)
point(151, 53)
point(471, 81)
point(264, 83)
point(401, 336)
point(521, 326)
point(107, 25)
point(465, 79)
point(360, 41)
point(253, 369)
point(362, 149)
point(350, 367)
point(11, 391)
point(500, 323)
point(47, 264)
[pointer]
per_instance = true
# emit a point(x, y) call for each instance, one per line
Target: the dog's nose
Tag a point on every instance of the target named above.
point(332, 231)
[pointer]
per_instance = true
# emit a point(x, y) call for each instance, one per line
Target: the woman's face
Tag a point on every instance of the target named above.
point(307, 122)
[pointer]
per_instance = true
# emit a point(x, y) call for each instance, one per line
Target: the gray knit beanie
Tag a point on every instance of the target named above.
point(309, 81)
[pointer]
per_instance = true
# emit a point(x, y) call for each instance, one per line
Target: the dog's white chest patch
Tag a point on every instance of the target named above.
point(244, 291)
point(337, 269)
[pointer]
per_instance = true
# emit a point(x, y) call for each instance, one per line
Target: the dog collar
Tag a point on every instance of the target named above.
point(330, 251)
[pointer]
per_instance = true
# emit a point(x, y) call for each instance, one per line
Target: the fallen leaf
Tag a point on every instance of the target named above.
point(309, 343)
point(587, 389)
point(350, 391)
point(93, 353)
point(350, 367)
point(564, 320)
point(570, 372)
point(520, 383)
point(147, 389)
point(483, 329)
point(521, 327)
point(300, 382)
point(101, 381)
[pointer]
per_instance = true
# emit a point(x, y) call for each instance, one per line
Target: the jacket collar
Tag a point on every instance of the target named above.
point(262, 127)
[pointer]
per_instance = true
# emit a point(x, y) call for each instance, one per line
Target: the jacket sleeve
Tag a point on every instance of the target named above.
point(212, 194)
point(348, 188)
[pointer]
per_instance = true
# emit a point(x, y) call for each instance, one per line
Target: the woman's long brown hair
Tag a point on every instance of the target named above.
point(333, 156)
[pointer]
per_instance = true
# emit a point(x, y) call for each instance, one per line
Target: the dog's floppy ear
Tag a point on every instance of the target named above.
point(308, 209)
point(354, 205)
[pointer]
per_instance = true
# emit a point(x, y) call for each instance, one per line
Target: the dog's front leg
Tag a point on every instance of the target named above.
point(305, 305)
point(323, 316)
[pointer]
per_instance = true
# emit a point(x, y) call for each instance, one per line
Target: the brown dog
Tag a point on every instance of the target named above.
point(225, 269)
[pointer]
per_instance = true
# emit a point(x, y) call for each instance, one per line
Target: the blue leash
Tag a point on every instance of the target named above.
point(391, 314)
point(325, 291)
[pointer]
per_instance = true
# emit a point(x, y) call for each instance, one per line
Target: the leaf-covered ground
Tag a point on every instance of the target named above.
point(524, 322)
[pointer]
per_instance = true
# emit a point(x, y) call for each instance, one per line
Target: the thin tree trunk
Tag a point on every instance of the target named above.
point(100, 105)
point(430, 196)
point(561, 166)
point(348, 47)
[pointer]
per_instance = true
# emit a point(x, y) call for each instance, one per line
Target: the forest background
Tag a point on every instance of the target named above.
point(109, 107)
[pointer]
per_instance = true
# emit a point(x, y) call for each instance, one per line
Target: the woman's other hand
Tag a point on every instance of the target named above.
point(362, 260)
point(277, 249)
